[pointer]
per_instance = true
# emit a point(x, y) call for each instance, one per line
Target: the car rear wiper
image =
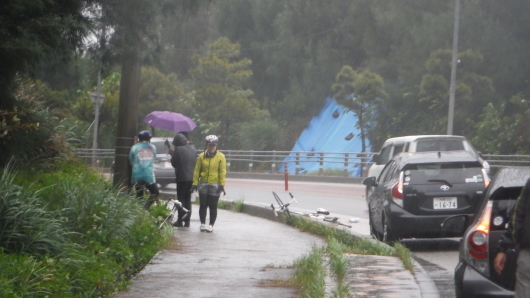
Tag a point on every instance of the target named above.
point(440, 180)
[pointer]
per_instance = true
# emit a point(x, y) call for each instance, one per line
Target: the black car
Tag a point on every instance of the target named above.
point(475, 275)
point(416, 192)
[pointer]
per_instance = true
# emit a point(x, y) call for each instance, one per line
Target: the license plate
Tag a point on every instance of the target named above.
point(444, 203)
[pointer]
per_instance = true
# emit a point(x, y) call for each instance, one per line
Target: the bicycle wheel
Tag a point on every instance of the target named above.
point(283, 208)
point(278, 200)
point(168, 219)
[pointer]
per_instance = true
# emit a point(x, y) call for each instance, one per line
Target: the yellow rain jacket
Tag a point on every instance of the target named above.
point(210, 169)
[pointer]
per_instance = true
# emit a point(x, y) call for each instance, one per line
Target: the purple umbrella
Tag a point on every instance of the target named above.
point(170, 121)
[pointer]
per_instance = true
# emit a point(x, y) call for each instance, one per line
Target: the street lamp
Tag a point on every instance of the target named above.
point(97, 99)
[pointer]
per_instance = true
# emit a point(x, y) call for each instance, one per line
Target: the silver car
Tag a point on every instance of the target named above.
point(164, 171)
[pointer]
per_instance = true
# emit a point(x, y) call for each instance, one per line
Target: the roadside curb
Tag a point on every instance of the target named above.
point(426, 285)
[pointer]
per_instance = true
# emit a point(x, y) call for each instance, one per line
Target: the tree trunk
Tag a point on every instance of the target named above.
point(127, 118)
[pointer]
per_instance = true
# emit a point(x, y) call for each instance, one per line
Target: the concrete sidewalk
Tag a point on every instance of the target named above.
point(247, 256)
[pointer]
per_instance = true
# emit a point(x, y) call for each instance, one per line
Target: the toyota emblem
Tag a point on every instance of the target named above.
point(444, 187)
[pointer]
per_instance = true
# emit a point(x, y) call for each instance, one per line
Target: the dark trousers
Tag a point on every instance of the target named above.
point(184, 196)
point(208, 201)
point(153, 189)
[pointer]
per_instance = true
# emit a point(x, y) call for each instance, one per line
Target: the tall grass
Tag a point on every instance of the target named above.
point(355, 244)
point(25, 226)
point(405, 255)
point(236, 206)
point(68, 233)
point(310, 274)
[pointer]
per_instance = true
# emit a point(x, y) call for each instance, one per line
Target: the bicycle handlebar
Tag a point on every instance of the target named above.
point(292, 200)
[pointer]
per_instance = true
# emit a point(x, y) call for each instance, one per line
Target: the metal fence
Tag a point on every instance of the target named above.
point(496, 161)
point(275, 161)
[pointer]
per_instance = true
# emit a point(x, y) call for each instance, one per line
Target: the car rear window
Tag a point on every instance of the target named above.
point(457, 172)
point(504, 200)
point(439, 145)
point(160, 147)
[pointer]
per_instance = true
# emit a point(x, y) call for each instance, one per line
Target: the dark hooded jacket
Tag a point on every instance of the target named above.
point(184, 158)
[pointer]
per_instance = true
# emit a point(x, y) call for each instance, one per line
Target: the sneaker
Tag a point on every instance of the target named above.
point(186, 224)
point(203, 227)
point(209, 229)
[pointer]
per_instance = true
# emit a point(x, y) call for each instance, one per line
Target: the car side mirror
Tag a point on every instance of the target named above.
point(456, 224)
point(370, 181)
point(375, 158)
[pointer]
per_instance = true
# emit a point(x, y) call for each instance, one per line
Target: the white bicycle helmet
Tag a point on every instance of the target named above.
point(211, 139)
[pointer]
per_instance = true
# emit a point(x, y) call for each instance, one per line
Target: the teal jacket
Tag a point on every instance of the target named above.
point(142, 158)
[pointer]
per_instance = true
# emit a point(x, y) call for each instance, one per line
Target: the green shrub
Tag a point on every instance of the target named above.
point(25, 226)
point(106, 235)
point(33, 134)
point(22, 275)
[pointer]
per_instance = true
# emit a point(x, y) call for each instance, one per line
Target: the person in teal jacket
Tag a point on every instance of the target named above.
point(142, 158)
point(209, 179)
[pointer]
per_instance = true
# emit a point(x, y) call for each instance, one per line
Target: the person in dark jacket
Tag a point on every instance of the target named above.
point(183, 160)
point(518, 233)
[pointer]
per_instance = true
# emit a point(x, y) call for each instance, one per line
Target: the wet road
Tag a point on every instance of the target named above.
point(346, 201)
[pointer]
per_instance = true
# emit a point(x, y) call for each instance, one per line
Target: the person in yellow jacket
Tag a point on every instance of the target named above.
point(209, 179)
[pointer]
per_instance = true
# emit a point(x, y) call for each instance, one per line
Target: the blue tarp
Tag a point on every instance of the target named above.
point(326, 133)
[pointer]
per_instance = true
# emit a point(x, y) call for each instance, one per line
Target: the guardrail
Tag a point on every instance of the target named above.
point(507, 160)
point(274, 161)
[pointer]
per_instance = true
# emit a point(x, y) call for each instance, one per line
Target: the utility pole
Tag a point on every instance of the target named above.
point(452, 87)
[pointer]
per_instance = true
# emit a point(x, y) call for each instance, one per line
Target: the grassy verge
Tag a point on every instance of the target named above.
point(68, 233)
point(405, 255)
point(338, 242)
point(310, 274)
point(310, 271)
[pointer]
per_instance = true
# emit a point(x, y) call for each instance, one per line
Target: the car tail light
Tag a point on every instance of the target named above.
point(397, 191)
point(477, 242)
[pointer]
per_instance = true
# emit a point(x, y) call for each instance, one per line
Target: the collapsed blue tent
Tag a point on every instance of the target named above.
point(329, 131)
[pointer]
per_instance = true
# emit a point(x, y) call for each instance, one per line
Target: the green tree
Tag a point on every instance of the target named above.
point(503, 128)
point(358, 92)
point(158, 92)
point(472, 90)
point(261, 135)
point(220, 79)
point(34, 135)
point(30, 31)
